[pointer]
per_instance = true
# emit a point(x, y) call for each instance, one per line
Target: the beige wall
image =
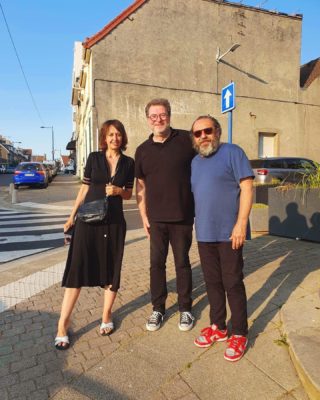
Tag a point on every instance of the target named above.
point(168, 49)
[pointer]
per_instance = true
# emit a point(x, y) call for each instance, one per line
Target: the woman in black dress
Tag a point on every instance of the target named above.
point(96, 251)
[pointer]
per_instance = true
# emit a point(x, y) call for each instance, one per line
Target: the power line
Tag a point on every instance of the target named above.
point(21, 67)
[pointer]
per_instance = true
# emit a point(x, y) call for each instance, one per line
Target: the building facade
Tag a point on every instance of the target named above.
point(170, 49)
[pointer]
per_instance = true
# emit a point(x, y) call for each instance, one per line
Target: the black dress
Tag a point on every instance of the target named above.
point(96, 251)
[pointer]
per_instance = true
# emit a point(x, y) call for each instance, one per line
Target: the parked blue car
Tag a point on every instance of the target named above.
point(30, 174)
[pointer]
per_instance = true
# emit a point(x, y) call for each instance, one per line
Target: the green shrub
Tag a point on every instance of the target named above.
point(311, 180)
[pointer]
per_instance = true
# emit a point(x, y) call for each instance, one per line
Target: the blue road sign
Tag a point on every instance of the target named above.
point(228, 98)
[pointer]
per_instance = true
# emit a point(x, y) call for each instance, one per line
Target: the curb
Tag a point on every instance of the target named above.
point(301, 323)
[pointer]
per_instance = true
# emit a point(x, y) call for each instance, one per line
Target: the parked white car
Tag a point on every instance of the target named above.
point(2, 169)
point(69, 169)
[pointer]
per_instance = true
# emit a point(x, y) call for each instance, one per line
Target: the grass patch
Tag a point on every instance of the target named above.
point(282, 341)
point(259, 205)
point(274, 182)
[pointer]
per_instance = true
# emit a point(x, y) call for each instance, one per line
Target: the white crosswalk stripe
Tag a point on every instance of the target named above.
point(29, 221)
point(6, 256)
point(17, 215)
point(30, 228)
point(25, 233)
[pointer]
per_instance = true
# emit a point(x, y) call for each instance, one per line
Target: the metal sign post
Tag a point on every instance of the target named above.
point(228, 103)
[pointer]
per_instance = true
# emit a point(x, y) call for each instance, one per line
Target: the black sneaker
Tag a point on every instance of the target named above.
point(154, 322)
point(186, 321)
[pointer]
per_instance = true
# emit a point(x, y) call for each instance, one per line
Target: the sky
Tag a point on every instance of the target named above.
point(44, 33)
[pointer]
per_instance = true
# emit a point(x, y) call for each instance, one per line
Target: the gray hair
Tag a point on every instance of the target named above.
point(159, 102)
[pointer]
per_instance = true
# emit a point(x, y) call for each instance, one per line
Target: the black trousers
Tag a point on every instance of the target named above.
point(222, 268)
point(179, 235)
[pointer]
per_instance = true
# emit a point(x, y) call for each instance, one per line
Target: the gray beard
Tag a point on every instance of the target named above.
point(207, 150)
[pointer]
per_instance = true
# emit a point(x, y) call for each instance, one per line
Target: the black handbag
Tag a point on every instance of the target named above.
point(94, 211)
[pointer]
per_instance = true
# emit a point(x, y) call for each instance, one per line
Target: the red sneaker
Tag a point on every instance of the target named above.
point(237, 345)
point(210, 335)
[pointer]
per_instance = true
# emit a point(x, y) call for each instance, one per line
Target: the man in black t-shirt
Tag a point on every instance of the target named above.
point(163, 189)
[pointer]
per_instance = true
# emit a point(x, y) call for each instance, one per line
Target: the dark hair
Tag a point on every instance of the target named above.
point(159, 102)
point(215, 122)
point(104, 130)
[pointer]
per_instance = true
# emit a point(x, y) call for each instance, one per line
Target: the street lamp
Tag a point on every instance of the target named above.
point(52, 138)
point(232, 49)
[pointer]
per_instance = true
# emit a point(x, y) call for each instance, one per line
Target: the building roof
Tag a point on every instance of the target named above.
point(38, 158)
point(65, 160)
point(309, 72)
point(4, 147)
point(89, 42)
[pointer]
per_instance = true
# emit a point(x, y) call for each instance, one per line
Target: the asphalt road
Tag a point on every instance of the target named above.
point(25, 231)
point(6, 179)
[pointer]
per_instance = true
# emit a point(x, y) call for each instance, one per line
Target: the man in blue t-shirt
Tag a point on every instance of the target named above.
point(221, 181)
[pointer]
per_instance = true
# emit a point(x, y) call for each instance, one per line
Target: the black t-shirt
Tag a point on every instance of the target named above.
point(97, 175)
point(166, 170)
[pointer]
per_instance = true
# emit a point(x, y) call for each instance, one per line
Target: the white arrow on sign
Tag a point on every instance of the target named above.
point(227, 98)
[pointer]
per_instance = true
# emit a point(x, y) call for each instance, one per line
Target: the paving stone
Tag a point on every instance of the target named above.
point(4, 394)
point(71, 372)
point(218, 380)
point(107, 349)
point(91, 363)
point(21, 390)
point(69, 393)
point(46, 339)
point(31, 373)
point(266, 354)
point(135, 331)
point(34, 326)
point(190, 396)
point(119, 336)
point(53, 378)
point(75, 359)
point(6, 349)
point(19, 323)
point(35, 350)
point(8, 380)
point(176, 389)
point(299, 393)
point(131, 309)
point(53, 365)
point(39, 395)
point(92, 353)
point(79, 347)
point(4, 371)
point(7, 359)
point(159, 396)
point(16, 330)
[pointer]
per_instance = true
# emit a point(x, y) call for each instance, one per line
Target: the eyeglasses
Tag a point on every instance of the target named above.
point(154, 117)
point(207, 131)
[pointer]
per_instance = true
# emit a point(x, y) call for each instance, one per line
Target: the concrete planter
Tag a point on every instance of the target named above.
point(261, 193)
point(295, 213)
point(259, 219)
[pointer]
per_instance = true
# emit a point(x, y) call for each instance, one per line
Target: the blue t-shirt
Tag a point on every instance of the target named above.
point(215, 186)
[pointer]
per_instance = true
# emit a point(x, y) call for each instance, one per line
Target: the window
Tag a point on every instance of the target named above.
point(267, 145)
point(257, 164)
point(278, 164)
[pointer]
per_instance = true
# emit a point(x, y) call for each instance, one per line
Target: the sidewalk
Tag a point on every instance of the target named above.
point(282, 281)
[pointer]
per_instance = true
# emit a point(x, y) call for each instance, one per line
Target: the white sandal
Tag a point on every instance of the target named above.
point(62, 342)
point(106, 328)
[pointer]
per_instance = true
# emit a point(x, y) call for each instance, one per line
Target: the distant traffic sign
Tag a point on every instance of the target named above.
point(228, 98)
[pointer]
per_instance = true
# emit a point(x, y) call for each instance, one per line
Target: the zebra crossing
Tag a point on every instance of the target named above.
point(25, 233)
